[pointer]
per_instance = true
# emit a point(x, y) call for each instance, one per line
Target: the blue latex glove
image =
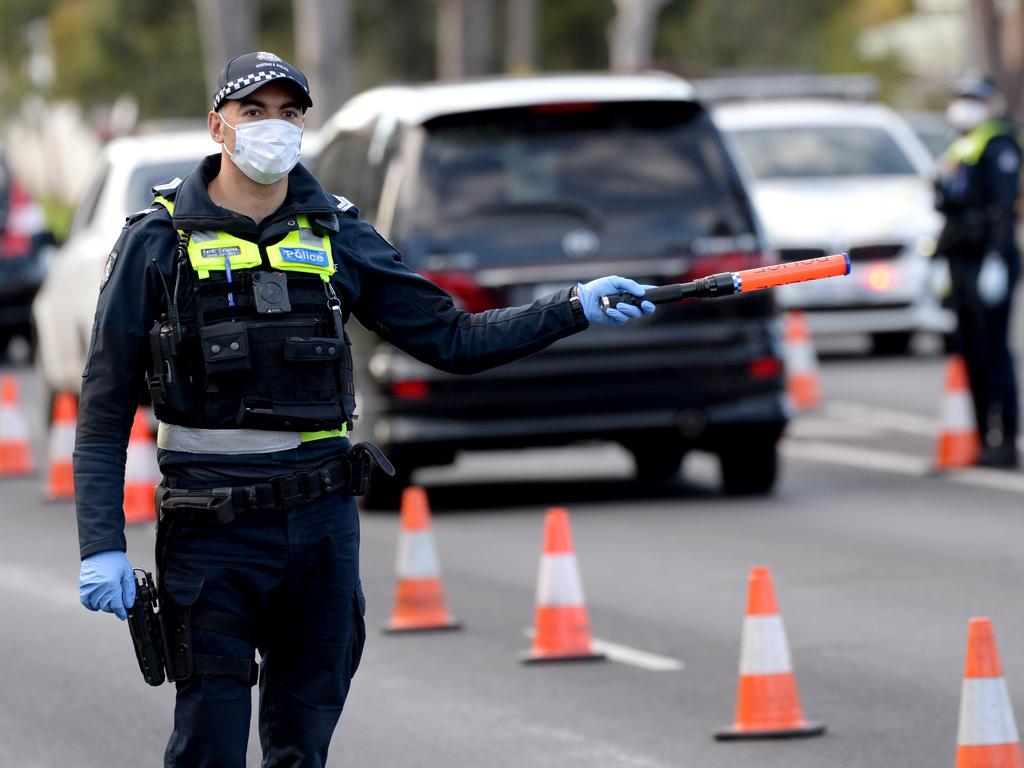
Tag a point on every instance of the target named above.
point(106, 583)
point(591, 293)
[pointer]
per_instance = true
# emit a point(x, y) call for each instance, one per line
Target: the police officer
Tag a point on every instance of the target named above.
point(228, 298)
point(977, 190)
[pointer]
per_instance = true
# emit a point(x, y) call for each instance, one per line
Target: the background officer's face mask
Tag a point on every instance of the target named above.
point(265, 150)
point(967, 114)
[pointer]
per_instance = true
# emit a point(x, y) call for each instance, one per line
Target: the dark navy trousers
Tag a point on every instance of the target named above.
point(294, 577)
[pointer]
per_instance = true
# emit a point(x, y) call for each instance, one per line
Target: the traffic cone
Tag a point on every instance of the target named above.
point(768, 704)
point(419, 593)
point(15, 449)
point(141, 472)
point(562, 628)
point(802, 377)
point(987, 736)
point(60, 482)
point(958, 444)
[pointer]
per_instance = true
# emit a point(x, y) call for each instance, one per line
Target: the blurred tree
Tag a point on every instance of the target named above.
point(574, 34)
point(227, 28)
point(632, 34)
point(702, 37)
point(148, 48)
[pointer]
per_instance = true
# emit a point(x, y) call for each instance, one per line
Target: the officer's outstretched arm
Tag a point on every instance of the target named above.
point(421, 319)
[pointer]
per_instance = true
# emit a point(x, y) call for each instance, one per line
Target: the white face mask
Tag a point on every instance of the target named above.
point(265, 150)
point(967, 114)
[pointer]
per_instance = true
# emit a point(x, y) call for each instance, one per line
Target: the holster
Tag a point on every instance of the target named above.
point(145, 627)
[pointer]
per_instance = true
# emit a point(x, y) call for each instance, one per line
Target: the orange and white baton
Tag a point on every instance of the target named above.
point(729, 283)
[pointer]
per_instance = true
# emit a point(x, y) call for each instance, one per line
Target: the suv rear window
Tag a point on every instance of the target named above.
point(508, 185)
point(794, 152)
point(145, 177)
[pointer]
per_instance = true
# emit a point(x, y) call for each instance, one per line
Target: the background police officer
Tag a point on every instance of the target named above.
point(977, 190)
point(229, 298)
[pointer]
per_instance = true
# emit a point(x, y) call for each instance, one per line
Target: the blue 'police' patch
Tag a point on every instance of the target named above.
point(305, 256)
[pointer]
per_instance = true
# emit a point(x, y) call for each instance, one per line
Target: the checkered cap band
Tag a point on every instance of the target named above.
point(250, 79)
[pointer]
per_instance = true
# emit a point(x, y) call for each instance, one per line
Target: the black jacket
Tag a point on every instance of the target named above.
point(371, 281)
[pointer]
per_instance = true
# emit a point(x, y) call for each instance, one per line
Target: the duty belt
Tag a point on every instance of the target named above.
point(349, 474)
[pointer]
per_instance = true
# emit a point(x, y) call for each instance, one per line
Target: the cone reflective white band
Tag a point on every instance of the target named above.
point(14, 428)
point(764, 649)
point(558, 581)
point(417, 556)
point(62, 441)
point(986, 716)
point(800, 357)
point(958, 412)
point(141, 465)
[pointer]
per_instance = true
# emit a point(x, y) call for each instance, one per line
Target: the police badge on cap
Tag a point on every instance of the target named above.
point(251, 71)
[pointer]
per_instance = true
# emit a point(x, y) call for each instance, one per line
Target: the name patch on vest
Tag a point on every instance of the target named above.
point(305, 256)
point(224, 252)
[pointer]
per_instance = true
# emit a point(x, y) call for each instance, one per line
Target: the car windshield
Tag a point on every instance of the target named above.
point(800, 152)
point(140, 186)
point(514, 185)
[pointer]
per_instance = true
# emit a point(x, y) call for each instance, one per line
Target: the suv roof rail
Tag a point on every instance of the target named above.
point(856, 87)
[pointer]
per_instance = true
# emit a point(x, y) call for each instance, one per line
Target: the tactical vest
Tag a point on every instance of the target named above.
point(259, 340)
point(958, 180)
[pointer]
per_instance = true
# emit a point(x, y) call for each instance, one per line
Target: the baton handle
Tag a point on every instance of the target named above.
point(745, 281)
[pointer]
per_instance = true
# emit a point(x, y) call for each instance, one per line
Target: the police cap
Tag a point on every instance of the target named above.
point(246, 73)
point(977, 86)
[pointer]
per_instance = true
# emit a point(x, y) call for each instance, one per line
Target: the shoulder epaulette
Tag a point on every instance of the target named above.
point(131, 218)
point(344, 205)
point(167, 189)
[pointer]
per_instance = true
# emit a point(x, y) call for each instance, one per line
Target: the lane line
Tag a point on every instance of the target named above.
point(862, 458)
point(997, 479)
point(887, 418)
point(38, 584)
point(625, 654)
point(901, 464)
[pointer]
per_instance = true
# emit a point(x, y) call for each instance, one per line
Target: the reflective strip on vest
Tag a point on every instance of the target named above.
point(969, 149)
point(298, 251)
point(303, 251)
point(211, 251)
point(173, 437)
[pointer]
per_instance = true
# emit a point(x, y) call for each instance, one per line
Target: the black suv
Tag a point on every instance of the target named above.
point(500, 191)
point(23, 241)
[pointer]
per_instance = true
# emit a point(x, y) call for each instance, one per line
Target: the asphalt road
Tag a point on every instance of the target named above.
point(877, 564)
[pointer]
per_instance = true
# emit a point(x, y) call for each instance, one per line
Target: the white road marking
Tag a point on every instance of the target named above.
point(27, 582)
point(852, 456)
point(885, 418)
point(900, 464)
point(637, 658)
point(625, 654)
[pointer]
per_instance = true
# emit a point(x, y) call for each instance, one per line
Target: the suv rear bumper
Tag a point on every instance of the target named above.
point(695, 426)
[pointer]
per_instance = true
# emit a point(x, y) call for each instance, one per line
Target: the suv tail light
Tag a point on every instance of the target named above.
point(24, 219)
point(765, 368)
point(725, 262)
point(464, 290)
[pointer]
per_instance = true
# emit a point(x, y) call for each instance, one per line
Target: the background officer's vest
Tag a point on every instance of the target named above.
point(263, 344)
point(960, 185)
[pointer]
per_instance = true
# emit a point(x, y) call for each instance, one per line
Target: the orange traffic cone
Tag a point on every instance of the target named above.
point(15, 450)
point(802, 378)
point(768, 705)
point(562, 629)
point(60, 483)
point(141, 473)
point(987, 735)
point(419, 593)
point(958, 443)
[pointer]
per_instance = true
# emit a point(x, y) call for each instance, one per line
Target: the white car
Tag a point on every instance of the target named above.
point(121, 183)
point(830, 176)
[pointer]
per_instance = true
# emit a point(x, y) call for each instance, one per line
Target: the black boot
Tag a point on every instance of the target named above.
point(1003, 456)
